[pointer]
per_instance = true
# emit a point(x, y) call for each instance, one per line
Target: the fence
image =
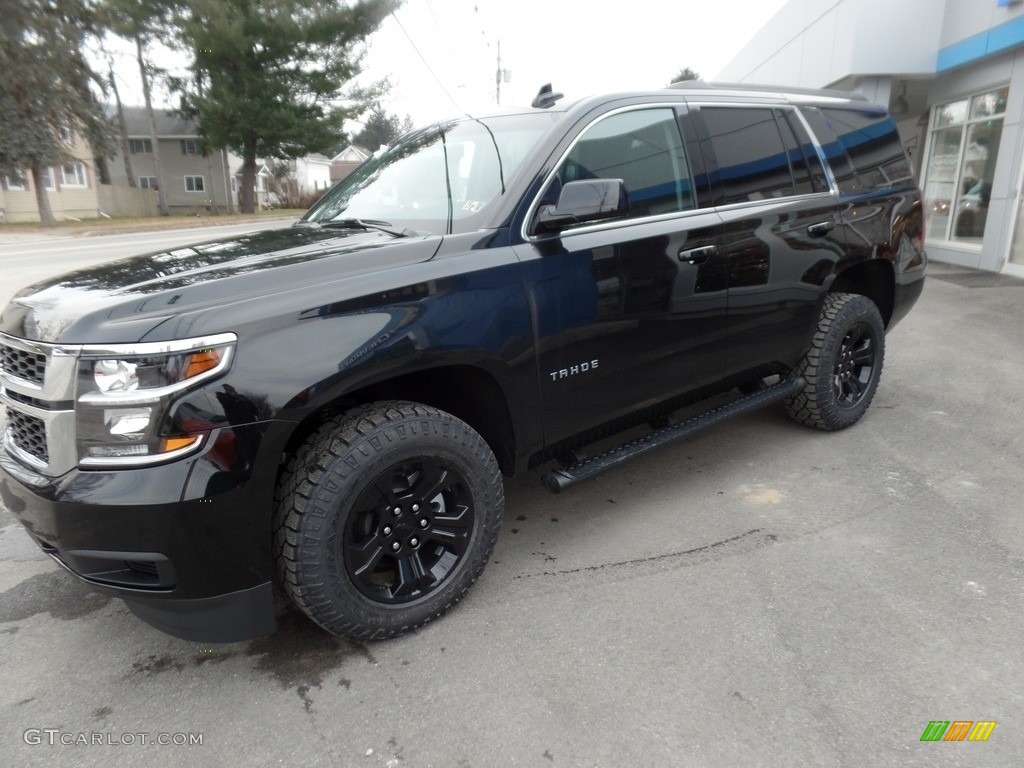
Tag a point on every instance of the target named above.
point(125, 201)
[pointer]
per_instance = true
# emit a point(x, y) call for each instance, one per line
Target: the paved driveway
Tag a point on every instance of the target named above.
point(760, 595)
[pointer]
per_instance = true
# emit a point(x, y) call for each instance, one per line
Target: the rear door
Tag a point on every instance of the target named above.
point(781, 234)
point(627, 312)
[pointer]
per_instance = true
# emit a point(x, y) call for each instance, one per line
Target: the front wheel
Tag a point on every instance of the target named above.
point(385, 519)
point(842, 366)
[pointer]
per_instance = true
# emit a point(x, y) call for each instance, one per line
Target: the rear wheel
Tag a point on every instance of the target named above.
point(842, 366)
point(385, 519)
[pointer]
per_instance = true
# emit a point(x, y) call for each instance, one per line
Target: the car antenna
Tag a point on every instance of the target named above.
point(545, 97)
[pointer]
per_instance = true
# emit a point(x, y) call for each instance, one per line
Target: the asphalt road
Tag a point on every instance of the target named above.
point(760, 595)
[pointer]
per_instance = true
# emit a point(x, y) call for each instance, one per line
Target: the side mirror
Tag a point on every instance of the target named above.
point(584, 201)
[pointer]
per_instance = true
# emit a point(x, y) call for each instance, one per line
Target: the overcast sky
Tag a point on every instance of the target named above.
point(580, 47)
point(441, 55)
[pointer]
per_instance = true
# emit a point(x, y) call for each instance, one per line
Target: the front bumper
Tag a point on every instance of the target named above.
point(185, 544)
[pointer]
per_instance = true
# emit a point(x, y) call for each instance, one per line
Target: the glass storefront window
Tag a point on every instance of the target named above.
point(989, 104)
point(949, 114)
point(964, 144)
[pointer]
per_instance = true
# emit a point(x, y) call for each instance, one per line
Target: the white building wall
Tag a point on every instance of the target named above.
point(815, 43)
point(964, 18)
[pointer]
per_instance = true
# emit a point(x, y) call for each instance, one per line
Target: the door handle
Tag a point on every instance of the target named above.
point(698, 255)
point(821, 228)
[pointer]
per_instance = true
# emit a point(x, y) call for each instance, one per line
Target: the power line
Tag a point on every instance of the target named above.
point(431, 71)
point(440, 34)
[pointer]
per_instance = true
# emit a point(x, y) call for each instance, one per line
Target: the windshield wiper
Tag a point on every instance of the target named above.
point(380, 226)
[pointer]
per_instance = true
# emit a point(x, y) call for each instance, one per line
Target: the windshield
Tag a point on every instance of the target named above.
point(440, 179)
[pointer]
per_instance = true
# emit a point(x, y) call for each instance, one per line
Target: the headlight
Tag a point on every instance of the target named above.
point(124, 395)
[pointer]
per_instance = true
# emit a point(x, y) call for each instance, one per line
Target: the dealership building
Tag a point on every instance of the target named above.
point(952, 74)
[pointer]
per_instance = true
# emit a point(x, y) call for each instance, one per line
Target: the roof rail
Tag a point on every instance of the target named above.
point(774, 89)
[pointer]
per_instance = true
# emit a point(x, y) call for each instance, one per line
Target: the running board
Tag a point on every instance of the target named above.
point(557, 480)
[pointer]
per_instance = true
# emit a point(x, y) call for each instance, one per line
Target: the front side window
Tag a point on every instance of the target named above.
point(644, 149)
point(963, 147)
point(147, 182)
point(194, 184)
point(441, 179)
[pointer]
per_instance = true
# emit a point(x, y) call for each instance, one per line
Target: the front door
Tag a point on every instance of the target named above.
point(629, 312)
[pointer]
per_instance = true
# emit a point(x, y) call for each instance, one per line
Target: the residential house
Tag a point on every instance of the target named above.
point(192, 182)
point(71, 188)
point(305, 180)
point(346, 161)
point(313, 173)
point(263, 176)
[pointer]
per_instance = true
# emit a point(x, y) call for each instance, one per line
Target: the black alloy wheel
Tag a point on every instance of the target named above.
point(385, 518)
point(843, 364)
point(855, 366)
point(408, 531)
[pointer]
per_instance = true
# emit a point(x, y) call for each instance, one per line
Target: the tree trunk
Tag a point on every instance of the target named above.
point(247, 194)
point(102, 169)
point(206, 156)
point(122, 128)
point(42, 198)
point(161, 192)
point(214, 209)
point(229, 205)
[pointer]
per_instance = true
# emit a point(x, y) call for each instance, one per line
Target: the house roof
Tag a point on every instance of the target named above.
point(261, 169)
point(168, 124)
point(352, 154)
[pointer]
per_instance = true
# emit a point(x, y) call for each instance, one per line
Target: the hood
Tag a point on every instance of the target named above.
point(122, 300)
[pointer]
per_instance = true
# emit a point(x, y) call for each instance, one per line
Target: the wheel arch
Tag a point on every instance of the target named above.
point(874, 279)
point(468, 392)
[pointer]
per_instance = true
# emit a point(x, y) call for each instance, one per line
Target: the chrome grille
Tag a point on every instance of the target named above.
point(28, 433)
point(37, 383)
point(30, 366)
point(25, 399)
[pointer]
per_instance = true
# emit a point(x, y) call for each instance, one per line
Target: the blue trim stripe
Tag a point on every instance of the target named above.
point(993, 41)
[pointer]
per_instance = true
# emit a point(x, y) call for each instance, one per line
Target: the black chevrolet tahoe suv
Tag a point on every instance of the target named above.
point(331, 406)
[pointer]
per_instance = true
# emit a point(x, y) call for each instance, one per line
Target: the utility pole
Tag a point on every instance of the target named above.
point(497, 78)
point(500, 75)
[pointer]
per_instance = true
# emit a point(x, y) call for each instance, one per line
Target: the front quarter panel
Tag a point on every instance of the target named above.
point(465, 307)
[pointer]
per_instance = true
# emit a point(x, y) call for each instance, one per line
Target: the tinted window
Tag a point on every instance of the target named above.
point(752, 159)
point(644, 149)
point(808, 172)
point(863, 148)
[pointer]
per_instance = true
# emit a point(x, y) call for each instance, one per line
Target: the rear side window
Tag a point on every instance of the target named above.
point(808, 172)
point(643, 148)
point(761, 153)
point(863, 148)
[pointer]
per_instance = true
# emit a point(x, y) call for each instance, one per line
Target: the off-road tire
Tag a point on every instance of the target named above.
point(334, 506)
point(843, 365)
